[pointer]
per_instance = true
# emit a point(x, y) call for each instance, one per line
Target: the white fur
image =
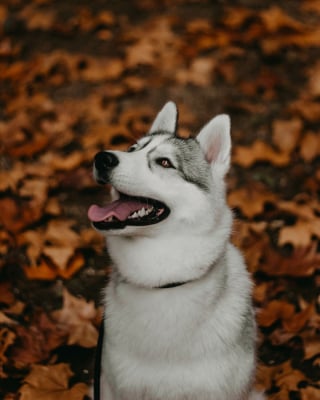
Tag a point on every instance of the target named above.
point(194, 341)
point(166, 119)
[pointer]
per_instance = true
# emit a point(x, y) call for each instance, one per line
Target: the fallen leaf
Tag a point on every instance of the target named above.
point(51, 383)
point(314, 80)
point(309, 393)
point(251, 200)
point(7, 338)
point(274, 311)
point(60, 233)
point(286, 134)
point(4, 319)
point(308, 109)
point(37, 340)
point(298, 320)
point(276, 19)
point(17, 214)
point(303, 262)
point(59, 255)
point(310, 146)
point(77, 317)
point(300, 234)
point(199, 73)
point(42, 270)
point(259, 151)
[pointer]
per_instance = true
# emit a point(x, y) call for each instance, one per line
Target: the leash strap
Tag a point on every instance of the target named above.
point(97, 364)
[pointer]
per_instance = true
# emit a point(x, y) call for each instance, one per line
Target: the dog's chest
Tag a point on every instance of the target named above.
point(152, 324)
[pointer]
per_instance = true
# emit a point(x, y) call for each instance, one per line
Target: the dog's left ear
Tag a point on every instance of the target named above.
point(215, 141)
point(167, 119)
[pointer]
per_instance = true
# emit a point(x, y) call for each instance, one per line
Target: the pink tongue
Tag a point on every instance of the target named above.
point(120, 209)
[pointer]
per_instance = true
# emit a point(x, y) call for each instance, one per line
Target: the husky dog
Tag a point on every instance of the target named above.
point(179, 323)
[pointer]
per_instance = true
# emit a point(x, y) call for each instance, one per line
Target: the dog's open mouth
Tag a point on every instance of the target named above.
point(128, 210)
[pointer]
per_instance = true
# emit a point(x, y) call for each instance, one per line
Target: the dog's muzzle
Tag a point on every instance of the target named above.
point(104, 162)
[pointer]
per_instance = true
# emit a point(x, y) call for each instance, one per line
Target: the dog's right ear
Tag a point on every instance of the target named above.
point(167, 119)
point(215, 141)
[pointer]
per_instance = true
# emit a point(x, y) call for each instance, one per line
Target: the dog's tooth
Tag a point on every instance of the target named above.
point(142, 212)
point(149, 210)
point(135, 215)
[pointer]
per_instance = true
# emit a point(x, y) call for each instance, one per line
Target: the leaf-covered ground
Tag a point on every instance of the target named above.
point(81, 76)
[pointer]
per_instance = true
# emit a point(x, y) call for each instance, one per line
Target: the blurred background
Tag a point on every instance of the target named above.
point(77, 77)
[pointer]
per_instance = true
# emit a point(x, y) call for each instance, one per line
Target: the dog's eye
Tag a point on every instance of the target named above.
point(164, 162)
point(132, 148)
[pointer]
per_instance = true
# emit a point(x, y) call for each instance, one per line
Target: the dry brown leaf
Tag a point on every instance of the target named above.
point(311, 5)
point(6, 295)
point(251, 200)
point(252, 239)
point(298, 320)
point(51, 383)
point(274, 311)
point(301, 233)
point(309, 393)
point(310, 146)
point(16, 215)
point(314, 79)
point(200, 72)
point(303, 262)
point(60, 233)
point(286, 134)
point(276, 19)
point(287, 377)
point(237, 16)
point(37, 340)
point(36, 18)
point(10, 178)
point(4, 319)
point(28, 148)
point(7, 338)
point(59, 162)
point(259, 151)
point(308, 109)
point(59, 255)
point(153, 43)
point(301, 206)
point(90, 238)
point(102, 69)
point(76, 317)
point(36, 189)
point(53, 206)
point(43, 270)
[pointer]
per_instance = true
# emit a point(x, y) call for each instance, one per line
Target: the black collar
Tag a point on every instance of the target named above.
point(171, 285)
point(97, 364)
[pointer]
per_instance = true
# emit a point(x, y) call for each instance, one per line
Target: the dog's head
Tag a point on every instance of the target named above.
point(164, 182)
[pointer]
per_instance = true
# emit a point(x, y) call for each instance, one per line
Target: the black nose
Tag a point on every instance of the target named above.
point(105, 160)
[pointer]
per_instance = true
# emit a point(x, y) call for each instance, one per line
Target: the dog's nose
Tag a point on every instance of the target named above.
point(105, 160)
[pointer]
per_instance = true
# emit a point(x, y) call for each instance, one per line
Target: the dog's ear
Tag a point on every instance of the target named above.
point(215, 141)
point(167, 119)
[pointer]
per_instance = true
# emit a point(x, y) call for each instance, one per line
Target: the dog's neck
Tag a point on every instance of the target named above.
point(167, 260)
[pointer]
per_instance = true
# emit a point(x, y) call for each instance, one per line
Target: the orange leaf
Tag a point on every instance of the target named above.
point(275, 19)
point(303, 262)
point(286, 134)
point(251, 200)
point(275, 310)
point(310, 146)
point(42, 270)
point(51, 383)
point(77, 317)
point(73, 266)
point(300, 234)
point(259, 151)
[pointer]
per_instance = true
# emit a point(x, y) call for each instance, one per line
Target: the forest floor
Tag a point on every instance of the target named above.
point(80, 76)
